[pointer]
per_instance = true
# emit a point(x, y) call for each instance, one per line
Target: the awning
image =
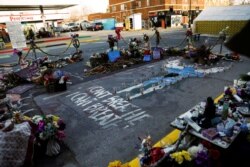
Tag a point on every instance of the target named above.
point(32, 7)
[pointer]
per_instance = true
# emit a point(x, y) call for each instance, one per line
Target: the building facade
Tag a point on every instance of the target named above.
point(210, 3)
point(154, 12)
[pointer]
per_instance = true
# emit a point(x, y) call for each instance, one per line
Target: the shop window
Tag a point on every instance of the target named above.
point(138, 4)
point(173, 1)
point(194, 2)
point(113, 8)
point(171, 9)
point(161, 2)
point(122, 7)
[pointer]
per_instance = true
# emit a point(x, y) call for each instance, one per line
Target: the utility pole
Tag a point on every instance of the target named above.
point(43, 17)
point(190, 13)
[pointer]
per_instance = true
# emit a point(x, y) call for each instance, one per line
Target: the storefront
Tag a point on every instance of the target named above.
point(33, 19)
point(171, 18)
point(165, 19)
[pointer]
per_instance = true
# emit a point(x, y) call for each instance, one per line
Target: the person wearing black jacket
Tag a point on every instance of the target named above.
point(205, 120)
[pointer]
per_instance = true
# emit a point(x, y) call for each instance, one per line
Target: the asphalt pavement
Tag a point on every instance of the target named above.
point(103, 125)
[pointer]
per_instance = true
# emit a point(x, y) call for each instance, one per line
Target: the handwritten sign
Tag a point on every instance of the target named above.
point(16, 34)
point(107, 110)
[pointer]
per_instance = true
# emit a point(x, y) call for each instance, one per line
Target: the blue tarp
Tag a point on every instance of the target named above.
point(109, 24)
point(113, 55)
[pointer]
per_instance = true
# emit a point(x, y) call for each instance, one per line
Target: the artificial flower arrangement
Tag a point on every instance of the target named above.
point(49, 127)
point(180, 156)
point(50, 130)
point(117, 163)
point(50, 76)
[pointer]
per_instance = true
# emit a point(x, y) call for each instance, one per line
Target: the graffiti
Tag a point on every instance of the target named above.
point(16, 102)
point(106, 109)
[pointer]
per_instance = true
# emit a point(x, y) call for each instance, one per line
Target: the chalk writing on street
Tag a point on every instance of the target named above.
point(106, 109)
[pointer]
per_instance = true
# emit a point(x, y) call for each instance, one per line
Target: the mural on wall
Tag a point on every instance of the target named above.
point(176, 20)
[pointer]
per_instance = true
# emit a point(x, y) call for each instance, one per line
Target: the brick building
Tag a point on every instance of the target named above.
point(156, 12)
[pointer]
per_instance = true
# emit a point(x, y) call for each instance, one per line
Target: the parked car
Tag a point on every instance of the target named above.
point(73, 26)
point(84, 24)
point(42, 33)
point(58, 29)
point(95, 26)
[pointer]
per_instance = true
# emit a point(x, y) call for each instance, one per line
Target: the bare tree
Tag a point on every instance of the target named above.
point(245, 2)
point(231, 2)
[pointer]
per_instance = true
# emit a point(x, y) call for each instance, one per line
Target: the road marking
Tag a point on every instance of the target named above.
point(59, 94)
point(4, 56)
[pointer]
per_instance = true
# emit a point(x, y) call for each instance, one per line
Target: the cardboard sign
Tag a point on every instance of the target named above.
point(16, 34)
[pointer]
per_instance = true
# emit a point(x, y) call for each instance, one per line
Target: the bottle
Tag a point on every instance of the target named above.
point(224, 114)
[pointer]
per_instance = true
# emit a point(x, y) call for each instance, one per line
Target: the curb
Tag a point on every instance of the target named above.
point(4, 51)
point(169, 139)
point(47, 46)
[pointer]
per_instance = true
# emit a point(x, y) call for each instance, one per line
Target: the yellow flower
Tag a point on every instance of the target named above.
point(26, 118)
point(186, 155)
point(125, 165)
point(115, 164)
point(55, 118)
point(177, 157)
point(180, 156)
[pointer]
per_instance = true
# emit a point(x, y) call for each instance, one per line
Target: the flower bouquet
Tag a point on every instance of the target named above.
point(50, 130)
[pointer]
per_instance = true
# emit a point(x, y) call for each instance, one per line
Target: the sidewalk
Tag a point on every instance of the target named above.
point(45, 42)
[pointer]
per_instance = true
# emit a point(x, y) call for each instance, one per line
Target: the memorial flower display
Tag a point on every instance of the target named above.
point(49, 127)
point(49, 132)
point(180, 156)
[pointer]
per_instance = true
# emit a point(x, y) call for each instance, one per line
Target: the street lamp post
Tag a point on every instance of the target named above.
point(190, 13)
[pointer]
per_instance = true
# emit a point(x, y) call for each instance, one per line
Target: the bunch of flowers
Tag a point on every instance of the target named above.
point(49, 127)
point(180, 156)
point(117, 163)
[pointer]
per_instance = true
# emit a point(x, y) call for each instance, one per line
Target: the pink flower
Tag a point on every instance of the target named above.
point(41, 126)
point(60, 134)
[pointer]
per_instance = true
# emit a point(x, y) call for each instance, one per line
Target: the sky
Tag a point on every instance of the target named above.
point(92, 5)
point(95, 5)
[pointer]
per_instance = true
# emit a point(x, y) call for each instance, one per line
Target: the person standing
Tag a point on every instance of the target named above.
point(31, 34)
point(189, 35)
point(5, 36)
point(158, 37)
point(146, 40)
